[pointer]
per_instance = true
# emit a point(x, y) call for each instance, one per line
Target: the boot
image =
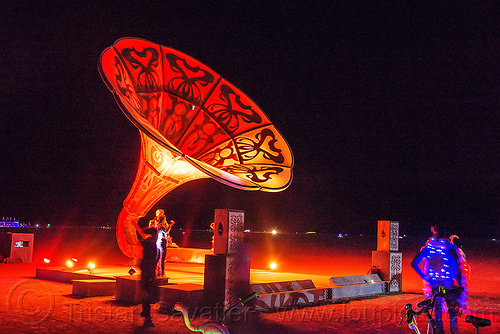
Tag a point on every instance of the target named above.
point(148, 322)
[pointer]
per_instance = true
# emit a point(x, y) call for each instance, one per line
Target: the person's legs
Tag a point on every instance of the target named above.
point(146, 310)
point(158, 258)
point(438, 312)
point(163, 255)
point(452, 303)
point(147, 284)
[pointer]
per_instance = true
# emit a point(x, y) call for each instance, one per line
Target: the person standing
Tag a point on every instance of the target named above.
point(148, 268)
point(440, 269)
point(163, 236)
point(163, 228)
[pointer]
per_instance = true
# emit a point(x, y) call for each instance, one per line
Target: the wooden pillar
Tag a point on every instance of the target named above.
point(227, 272)
point(386, 258)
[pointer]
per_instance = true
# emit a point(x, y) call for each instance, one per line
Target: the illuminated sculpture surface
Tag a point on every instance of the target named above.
point(193, 124)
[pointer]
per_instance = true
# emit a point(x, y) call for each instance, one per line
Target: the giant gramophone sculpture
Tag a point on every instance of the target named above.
point(193, 124)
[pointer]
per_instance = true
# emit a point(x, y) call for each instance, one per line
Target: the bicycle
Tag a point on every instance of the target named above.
point(426, 307)
point(214, 327)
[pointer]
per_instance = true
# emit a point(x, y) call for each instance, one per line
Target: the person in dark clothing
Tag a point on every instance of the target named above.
point(148, 268)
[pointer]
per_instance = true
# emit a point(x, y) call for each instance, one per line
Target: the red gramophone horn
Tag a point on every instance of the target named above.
point(193, 124)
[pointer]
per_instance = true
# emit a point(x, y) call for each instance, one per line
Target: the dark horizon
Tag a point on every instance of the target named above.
point(391, 113)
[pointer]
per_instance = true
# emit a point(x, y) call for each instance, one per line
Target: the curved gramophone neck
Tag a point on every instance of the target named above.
point(160, 171)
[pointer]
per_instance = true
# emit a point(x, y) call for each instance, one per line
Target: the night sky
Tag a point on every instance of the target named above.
point(392, 112)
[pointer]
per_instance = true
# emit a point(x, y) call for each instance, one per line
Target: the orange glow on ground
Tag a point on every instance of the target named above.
point(308, 254)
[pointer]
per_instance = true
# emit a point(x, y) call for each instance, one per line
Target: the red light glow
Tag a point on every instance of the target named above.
point(90, 268)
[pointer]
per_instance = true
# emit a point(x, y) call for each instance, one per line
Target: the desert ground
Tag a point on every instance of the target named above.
point(49, 307)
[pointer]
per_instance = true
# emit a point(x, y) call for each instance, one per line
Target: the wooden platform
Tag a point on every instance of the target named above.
point(185, 284)
point(187, 255)
point(94, 287)
point(128, 289)
point(357, 286)
point(59, 274)
point(189, 294)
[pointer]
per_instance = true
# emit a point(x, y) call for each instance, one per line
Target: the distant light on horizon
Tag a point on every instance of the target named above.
point(273, 265)
point(46, 261)
point(274, 232)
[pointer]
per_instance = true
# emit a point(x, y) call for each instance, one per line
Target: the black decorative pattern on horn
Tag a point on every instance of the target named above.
point(150, 107)
point(264, 144)
point(177, 115)
point(232, 110)
point(257, 174)
point(187, 79)
point(201, 136)
point(124, 86)
point(224, 155)
point(145, 61)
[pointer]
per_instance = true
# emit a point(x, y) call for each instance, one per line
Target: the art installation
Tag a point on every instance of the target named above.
point(193, 124)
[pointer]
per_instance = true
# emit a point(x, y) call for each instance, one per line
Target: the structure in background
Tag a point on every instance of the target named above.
point(386, 258)
point(16, 247)
point(193, 124)
point(10, 222)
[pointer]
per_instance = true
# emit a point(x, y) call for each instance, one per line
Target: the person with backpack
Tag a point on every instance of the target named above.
point(440, 268)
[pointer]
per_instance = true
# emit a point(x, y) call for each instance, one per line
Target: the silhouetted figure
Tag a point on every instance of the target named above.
point(148, 268)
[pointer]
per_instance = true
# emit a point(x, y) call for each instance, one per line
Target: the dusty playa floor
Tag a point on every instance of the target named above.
point(28, 305)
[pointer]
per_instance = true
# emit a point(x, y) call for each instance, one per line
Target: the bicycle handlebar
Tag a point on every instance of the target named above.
point(427, 305)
